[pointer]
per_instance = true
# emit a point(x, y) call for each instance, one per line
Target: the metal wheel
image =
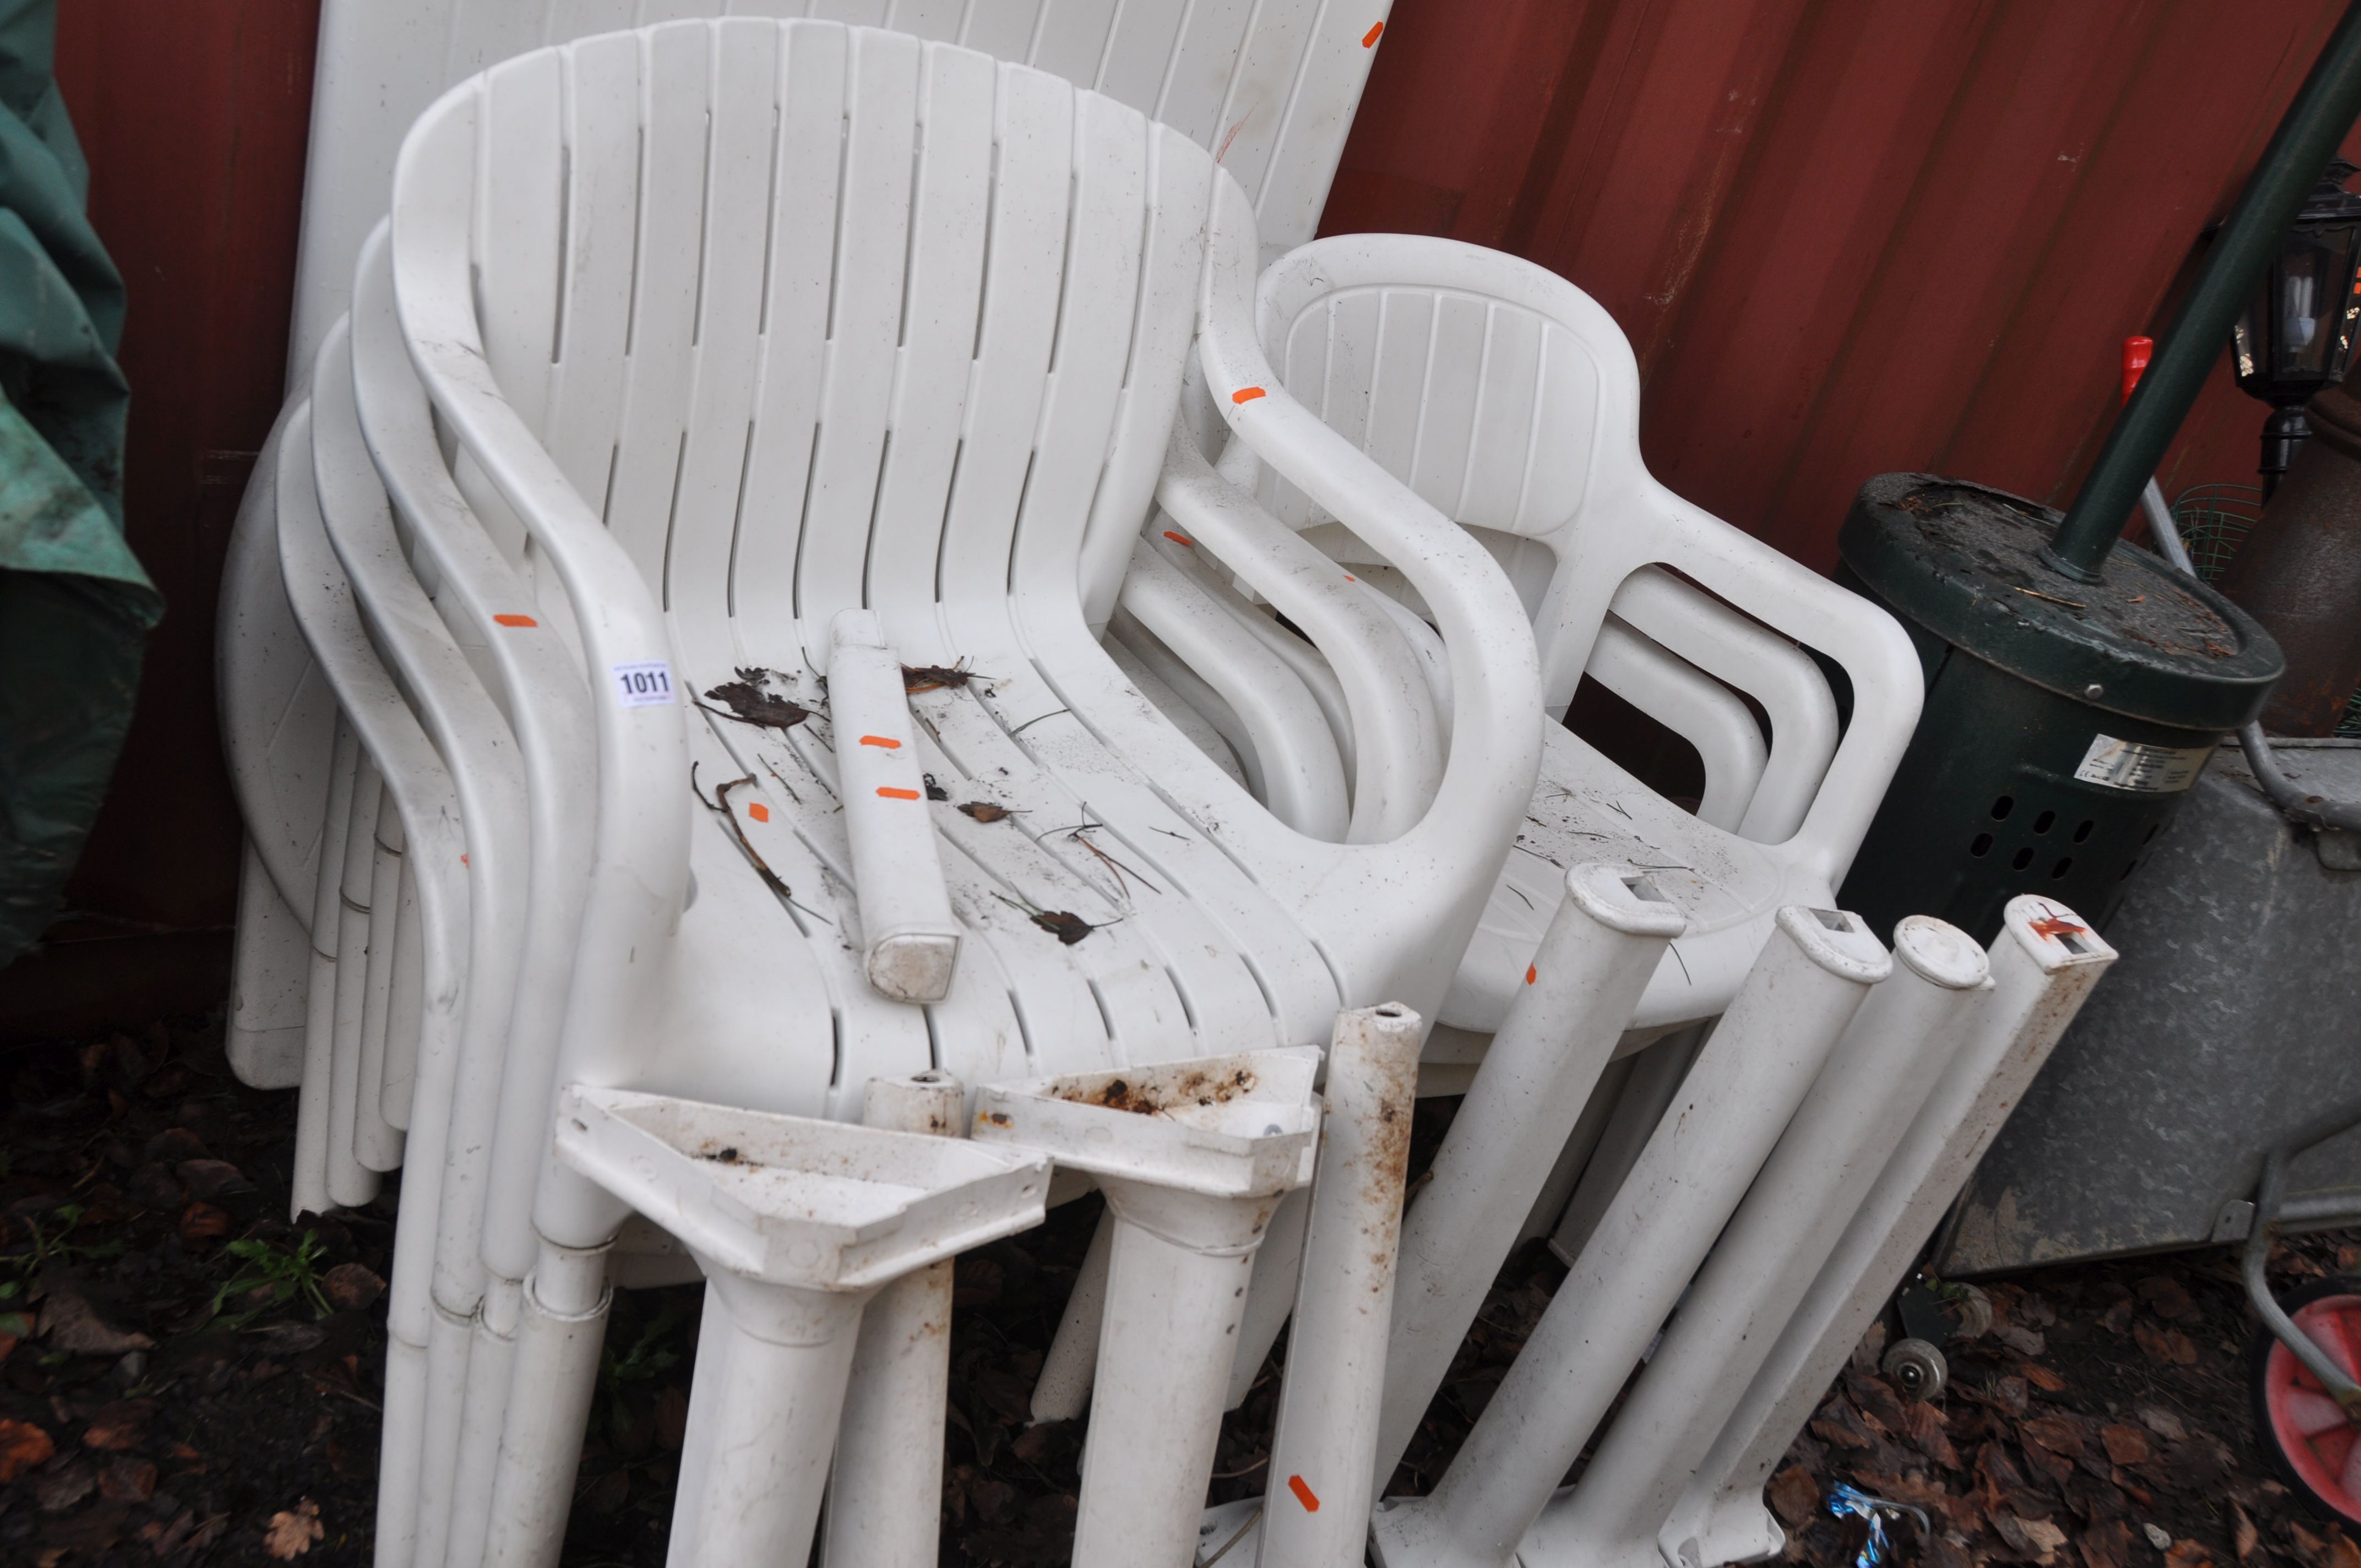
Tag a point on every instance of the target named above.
point(1916, 1367)
point(2305, 1432)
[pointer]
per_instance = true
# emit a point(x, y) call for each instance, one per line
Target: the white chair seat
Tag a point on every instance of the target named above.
point(1588, 808)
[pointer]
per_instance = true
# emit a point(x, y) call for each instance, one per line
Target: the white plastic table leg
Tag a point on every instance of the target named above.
point(1875, 1079)
point(1062, 1391)
point(906, 911)
point(1316, 1512)
point(1192, 1157)
point(1557, 1192)
point(1176, 1290)
point(884, 1495)
point(1657, 1072)
point(764, 1430)
point(1799, 996)
point(1594, 961)
point(2044, 964)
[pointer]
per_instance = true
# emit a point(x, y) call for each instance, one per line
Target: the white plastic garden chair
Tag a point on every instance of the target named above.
point(1445, 858)
point(1271, 87)
point(1510, 400)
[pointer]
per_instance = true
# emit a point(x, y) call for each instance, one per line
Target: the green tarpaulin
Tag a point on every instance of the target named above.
point(74, 606)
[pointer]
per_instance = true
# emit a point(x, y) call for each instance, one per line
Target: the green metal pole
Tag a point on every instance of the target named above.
point(2323, 111)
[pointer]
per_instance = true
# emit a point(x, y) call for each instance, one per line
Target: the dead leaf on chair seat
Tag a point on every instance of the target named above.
point(748, 703)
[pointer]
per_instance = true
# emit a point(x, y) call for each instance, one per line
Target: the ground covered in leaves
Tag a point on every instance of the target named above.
point(187, 1377)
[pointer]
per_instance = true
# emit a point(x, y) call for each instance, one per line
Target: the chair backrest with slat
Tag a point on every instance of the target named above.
point(1509, 400)
point(817, 318)
point(1271, 87)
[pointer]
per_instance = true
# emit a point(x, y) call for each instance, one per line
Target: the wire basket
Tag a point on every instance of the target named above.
point(2215, 520)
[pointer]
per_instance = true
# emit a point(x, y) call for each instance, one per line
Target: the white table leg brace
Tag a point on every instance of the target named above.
point(1801, 994)
point(2044, 964)
point(1192, 1157)
point(1875, 1079)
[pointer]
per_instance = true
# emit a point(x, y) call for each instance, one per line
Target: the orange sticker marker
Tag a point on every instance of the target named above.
point(881, 740)
point(1247, 394)
point(890, 793)
point(1369, 39)
point(2054, 926)
point(1304, 1494)
point(759, 812)
point(1178, 540)
point(463, 859)
point(1532, 975)
point(1350, 578)
point(514, 620)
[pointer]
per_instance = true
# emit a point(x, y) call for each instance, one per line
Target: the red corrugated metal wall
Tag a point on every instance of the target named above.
point(1846, 237)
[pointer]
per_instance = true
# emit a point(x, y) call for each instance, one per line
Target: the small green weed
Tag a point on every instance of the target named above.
point(272, 1275)
point(53, 1241)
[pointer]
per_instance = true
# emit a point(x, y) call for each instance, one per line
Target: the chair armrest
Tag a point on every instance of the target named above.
point(1495, 751)
point(1398, 737)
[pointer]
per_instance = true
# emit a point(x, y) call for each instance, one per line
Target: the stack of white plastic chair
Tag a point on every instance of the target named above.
point(1131, 821)
point(1510, 400)
point(1273, 86)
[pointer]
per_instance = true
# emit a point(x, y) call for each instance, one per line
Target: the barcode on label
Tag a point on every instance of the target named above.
point(2134, 765)
point(647, 684)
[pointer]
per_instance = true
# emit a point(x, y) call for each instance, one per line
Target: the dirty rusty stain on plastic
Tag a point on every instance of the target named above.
point(1197, 1089)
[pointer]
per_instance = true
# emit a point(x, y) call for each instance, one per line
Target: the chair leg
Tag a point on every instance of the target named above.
point(1270, 1298)
point(1800, 995)
point(1875, 1079)
point(309, 1178)
point(1597, 956)
point(351, 1183)
point(1317, 1508)
point(491, 1363)
point(447, 1343)
point(2044, 964)
point(402, 1452)
point(884, 1495)
point(552, 1376)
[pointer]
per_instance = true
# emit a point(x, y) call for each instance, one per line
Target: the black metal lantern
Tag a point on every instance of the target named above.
point(2296, 333)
